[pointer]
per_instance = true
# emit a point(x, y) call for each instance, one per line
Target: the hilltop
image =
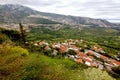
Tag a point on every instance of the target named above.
point(11, 13)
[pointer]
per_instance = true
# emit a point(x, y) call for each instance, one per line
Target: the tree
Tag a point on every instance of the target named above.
point(116, 69)
point(22, 33)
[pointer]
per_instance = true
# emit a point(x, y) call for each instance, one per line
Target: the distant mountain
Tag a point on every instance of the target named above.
point(17, 13)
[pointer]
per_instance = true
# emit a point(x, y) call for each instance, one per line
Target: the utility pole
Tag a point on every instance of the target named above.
point(22, 33)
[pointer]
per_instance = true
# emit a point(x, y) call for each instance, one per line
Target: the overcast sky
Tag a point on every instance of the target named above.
point(104, 9)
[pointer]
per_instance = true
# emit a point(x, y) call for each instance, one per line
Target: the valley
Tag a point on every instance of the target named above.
point(57, 47)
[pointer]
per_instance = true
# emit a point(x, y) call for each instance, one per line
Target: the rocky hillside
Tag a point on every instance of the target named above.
point(17, 13)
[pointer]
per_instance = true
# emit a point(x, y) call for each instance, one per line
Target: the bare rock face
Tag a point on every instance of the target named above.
point(17, 13)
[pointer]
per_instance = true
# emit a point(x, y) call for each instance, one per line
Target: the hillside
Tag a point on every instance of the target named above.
point(18, 13)
point(21, 63)
point(56, 47)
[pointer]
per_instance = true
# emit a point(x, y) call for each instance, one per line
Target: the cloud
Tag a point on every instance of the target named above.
point(106, 9)
point(31, 2)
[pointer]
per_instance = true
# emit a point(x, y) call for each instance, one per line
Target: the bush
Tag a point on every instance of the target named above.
point(6, 50)
point(12, 34)
point(116, 69)
point(3, 38)
point(71, 52)
point(19, 50)
point(97, 74)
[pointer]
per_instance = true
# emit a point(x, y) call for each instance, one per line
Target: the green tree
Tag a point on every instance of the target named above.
point(22, 33)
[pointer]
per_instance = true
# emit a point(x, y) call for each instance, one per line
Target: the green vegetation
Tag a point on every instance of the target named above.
point(41, 20)
point(116, 69)
point(32, 63)
point(106, 38)
point(12, 34)
point(40, 67)
point(96, 74)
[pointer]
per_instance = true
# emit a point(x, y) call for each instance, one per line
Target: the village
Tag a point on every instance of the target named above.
point(91, 57)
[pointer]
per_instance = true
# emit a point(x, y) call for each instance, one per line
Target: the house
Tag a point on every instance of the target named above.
point(55, 52)
point(87, 61)
point(108, 66)
point(104, 58)
point(77, 51)
point(94, 63)
point(65, 44)
point(76, 41)
point(97, 54)
point(91, 57)
point(56, 45)
point(100, 65)
point(45, 43)
point(101, 50)
point(63, 48)
point(41, 43)
point(71, 43)
point(95, 48)
point(74, 47)
point(47, 48)
point(81, 54)
point(76, 56)
point(90, 52)
point(114, 62)
point(72, 57)
point(35, 44)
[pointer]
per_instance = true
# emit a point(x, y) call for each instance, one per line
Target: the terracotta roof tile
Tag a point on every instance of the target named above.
point(63, 48)
point(90, 52)
point(80, 61)
point(114, 62)
point(85, 59)
point(104, 57)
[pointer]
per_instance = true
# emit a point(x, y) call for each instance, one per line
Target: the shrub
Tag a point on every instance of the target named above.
point(71, 52)
point(3, 38)
point(12, 34)
point(6, 50)
point(19, 50)
point(116, 69)
point(97, 74)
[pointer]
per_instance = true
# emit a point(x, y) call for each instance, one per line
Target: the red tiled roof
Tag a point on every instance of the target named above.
point(63, 48)
point(77, 51)
point(41, 43)
point(95, 48)
point(47, 48)
point(91, 57)
point(90, 52)
point(82, 54)
point(80, 61)
point(104, 57)
point(114, 62)
point(100, 49)
point(85, 59)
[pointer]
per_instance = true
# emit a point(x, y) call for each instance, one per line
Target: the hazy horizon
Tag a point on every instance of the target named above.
point(103, 9)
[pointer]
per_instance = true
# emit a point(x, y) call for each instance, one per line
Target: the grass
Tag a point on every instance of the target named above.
point(15, 66)
point(41, 67)
point(36, 66)
point(97, 74)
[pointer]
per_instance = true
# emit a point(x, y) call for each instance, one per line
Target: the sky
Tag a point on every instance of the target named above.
point(103, 9)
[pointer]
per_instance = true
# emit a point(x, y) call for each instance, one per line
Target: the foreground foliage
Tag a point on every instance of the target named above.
point(16, 63)
point(15, 66)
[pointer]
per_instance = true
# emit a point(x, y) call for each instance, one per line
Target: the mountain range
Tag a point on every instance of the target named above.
point(14, 13)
